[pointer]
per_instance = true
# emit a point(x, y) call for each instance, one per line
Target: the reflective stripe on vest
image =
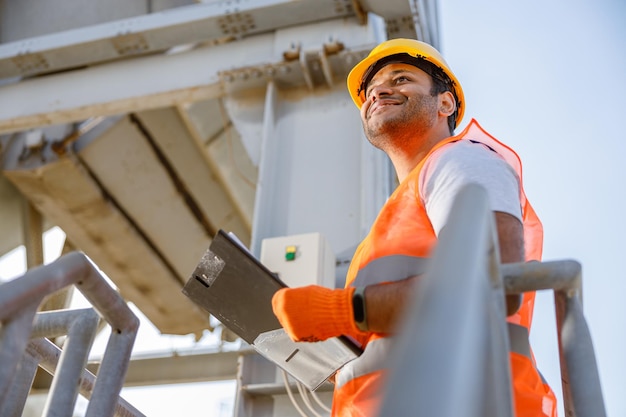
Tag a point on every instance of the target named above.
point(376, 354)
point(390, 268)
point(374, 358)
point(518, 340)
point(519, 343)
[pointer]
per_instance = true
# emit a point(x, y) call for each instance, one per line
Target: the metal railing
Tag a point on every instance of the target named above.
point(451, 357)
point(24, 345)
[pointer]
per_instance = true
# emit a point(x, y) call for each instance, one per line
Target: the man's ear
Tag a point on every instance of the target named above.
point(447, 103)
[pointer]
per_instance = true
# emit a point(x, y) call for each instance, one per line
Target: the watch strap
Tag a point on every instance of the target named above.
point(358, 307)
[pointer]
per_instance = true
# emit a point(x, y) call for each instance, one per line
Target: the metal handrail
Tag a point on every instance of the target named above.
point(19, 300)
point(451, 355)
point(582, 392)
point(48, 355)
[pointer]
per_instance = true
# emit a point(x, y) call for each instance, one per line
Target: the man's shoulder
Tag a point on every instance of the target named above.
point(463, 159)
point(463, 149)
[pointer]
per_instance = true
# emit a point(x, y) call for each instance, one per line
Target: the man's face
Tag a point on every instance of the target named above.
point(398, 104)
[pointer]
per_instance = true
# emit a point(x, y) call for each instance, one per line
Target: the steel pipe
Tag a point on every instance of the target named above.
point(582, 393)
point(13, 404)
point(32, 287)
point(49, 354)
point(81, 327)
point(533, 276)
point(14, 335)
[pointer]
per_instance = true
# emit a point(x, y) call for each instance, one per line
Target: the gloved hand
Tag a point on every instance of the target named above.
point(314, 313)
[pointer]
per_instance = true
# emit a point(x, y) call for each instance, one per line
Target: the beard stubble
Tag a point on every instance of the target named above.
point(418, 115)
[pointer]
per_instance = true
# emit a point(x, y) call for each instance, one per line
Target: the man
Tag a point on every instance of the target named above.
point(410, 103)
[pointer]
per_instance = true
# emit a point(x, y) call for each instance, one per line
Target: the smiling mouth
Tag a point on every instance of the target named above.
point(382, 106)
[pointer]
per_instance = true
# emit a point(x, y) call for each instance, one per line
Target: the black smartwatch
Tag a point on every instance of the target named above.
point(358, 307)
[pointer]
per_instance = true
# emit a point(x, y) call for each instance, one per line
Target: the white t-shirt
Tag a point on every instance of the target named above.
point(464, 162)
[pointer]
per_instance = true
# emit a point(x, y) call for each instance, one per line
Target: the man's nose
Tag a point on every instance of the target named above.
point(380, 90)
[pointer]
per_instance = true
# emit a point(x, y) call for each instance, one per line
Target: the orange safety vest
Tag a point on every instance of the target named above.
point(398, 246)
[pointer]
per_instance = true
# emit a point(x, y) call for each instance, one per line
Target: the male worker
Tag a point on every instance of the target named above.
point(410, 103)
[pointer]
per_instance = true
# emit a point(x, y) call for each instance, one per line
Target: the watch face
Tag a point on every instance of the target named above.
point(358, 306)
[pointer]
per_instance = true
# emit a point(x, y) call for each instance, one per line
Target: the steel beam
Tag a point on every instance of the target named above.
point(180, 367)
point(12, 210)
point(168, 80)
point(213, 22)
point(33, 234)
point(68, 194)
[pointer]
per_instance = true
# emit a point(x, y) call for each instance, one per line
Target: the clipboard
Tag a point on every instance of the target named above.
point(232, 285)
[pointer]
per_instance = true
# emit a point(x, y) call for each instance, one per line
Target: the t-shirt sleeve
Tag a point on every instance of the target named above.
point(461, 163)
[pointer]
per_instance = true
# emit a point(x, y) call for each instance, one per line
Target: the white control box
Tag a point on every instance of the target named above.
point(300, 260)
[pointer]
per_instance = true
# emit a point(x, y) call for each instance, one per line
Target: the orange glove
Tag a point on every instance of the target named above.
point(314, 313)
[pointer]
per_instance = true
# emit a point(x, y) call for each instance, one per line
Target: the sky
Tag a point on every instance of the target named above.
point(549, 79)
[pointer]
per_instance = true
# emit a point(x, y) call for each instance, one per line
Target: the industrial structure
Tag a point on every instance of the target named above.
point(141, 128)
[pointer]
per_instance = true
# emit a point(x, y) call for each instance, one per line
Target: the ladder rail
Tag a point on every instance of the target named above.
point(453, 329)
point(19, 300)
point(440, 366)
point(582, 392)
point(48, 354)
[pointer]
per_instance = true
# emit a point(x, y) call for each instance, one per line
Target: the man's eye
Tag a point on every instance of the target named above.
point(401, 79)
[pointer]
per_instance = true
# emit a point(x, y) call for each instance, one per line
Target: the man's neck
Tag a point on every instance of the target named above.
point(407, 158)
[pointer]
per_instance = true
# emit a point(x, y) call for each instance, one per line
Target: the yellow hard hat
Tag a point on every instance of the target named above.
point(413, 48)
